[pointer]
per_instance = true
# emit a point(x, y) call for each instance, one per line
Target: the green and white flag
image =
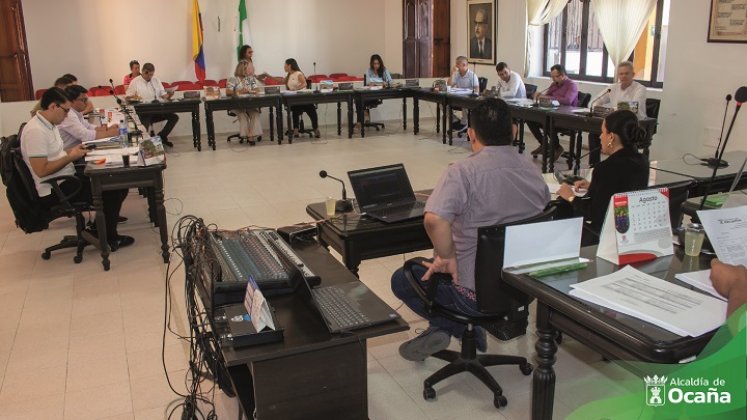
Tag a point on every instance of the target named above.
point(243, 28)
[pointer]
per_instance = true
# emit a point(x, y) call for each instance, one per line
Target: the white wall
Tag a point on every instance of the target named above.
point(96, 40)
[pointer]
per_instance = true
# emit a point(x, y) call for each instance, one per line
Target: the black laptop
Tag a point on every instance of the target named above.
point(385, 193)
point(348, 306)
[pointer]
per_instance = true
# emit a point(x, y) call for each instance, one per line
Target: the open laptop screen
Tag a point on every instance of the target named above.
point(381, 186)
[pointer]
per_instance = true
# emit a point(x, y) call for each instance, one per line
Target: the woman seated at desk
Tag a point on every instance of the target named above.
point(376, 75)
point(243, 82)
point(624, 170)
point(295, 80)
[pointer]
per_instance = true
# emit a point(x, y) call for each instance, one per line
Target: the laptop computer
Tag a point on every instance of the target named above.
point(348, 306)
point(385, 193)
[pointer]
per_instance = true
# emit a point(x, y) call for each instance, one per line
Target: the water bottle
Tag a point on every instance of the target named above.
point(122, 133)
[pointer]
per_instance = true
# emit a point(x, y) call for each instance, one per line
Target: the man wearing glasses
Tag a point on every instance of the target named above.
point(74, 129)
point(44, 154)
point(480, 46)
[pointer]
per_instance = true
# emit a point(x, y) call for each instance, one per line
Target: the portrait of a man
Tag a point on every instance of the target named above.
point(481, 28)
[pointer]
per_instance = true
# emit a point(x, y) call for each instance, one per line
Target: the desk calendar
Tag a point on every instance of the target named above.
point(637, 227)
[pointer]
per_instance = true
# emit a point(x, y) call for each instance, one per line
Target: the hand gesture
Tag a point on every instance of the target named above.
point(442, 265)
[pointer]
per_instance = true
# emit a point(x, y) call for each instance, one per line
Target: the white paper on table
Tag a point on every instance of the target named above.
point(667, 305)
point(701, 280)
point(459, 91)
point(560, 240)
point(727, 231)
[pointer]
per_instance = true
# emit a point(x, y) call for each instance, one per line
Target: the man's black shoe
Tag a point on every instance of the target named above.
point(121, 219)
point(165, 140)
point(121, 242)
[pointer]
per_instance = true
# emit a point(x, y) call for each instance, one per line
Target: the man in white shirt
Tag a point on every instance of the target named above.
point(147, 88)
point(42, 150)
point(625, 90)
point(74, 129)
point(464, 78)
point(509, 83)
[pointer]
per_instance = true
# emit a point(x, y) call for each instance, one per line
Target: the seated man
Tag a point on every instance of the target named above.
point(509, 83)
point(74, 129)
point(495, 184)
point(148, 88)
point(464, 78)
point(42, 150)
point(563, 90)
point(625, 90)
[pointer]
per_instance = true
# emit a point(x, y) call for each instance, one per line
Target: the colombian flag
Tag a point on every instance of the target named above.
point(198, 56)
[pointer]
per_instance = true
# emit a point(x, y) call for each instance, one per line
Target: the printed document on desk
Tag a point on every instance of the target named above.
point(700, 279)
point(727, 230)
point(460, 91)
point(667, 305)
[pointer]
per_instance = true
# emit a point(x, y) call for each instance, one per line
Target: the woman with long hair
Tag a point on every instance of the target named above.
point(295, 80)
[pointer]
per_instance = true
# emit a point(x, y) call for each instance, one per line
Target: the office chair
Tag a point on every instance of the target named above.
point(26, 205)
point(301, 129)
point(238, 135)
point(367, 106)
point(575, 136)
point(652, 111)
point(678, 194)
point(531, 90)
point(482, 85)
point(501, 305)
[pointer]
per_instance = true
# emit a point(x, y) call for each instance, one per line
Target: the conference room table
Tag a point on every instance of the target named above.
point(174, 107)
point(614, 335)
point(311, 374)
point(241, 102)
point(364, 95)
point(150, 178)
point(691, 167)
point(291, 99)
point(429, 95)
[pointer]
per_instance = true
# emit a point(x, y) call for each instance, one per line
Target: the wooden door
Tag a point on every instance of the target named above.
point(15, 71)
point(426, 45)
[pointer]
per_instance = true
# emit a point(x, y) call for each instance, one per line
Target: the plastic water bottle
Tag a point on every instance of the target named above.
point(122, 133)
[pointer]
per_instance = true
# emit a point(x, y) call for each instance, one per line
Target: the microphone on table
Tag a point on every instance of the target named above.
point(119, 101)
point(606, 92)
point(123, 106)
point(715, 161)
point(740, 97)
point(571, 179)
point(342, 205)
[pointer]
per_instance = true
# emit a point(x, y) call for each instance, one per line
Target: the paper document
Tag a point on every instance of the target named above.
point(667, 305)
point(560, 239)
point(700, 279)
point(460, 91)
point(727, 230)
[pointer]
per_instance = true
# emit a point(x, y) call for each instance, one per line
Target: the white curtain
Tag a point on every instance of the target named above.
point(539, 12)
point(621, 23)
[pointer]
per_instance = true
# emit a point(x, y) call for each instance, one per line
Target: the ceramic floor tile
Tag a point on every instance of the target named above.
point(32, 384)
point(119, 314)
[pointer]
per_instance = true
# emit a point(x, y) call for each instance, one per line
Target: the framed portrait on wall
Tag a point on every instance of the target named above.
point(481, 25)
point(728, 21)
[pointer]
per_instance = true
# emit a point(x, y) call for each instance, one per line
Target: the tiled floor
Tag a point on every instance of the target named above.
point(80, 343)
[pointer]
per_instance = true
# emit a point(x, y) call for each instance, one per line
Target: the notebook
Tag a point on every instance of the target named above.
point(385, 193)
point(348, 306)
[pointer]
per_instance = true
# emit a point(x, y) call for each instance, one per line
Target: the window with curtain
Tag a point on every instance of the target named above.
point(573, 40)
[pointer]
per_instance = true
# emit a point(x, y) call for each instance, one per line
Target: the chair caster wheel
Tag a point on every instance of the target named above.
point(259, 138)
point(106, 265)
point(429, 393)
point(500, 401)
point(526, 369)
point(77, 259)
point(46, 255)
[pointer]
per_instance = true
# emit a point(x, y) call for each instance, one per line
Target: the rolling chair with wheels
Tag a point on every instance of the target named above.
point(30, 214)
point(482, 85)
point(238, 135)
point(505, 310)
point(367, 106)
point(519, 140)
point(573, 155)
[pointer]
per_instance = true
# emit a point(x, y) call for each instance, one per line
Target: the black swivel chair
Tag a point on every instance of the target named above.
point(504, 308)
point(482, 85)
point(678, 194)
point(238, 135)
point(367, 106)
point(652, 111)
point(301, 129)
point(571, 156)
point(519, 140)
point(25, 202)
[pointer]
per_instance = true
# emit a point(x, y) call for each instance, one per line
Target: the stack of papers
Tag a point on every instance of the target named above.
point(460, 91)
point(664, 304)
point(701, 280)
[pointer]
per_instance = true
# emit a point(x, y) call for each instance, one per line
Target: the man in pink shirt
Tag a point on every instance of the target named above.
point(563, 90)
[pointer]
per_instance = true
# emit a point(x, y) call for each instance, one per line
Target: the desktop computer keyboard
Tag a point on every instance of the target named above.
point(338, 309)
